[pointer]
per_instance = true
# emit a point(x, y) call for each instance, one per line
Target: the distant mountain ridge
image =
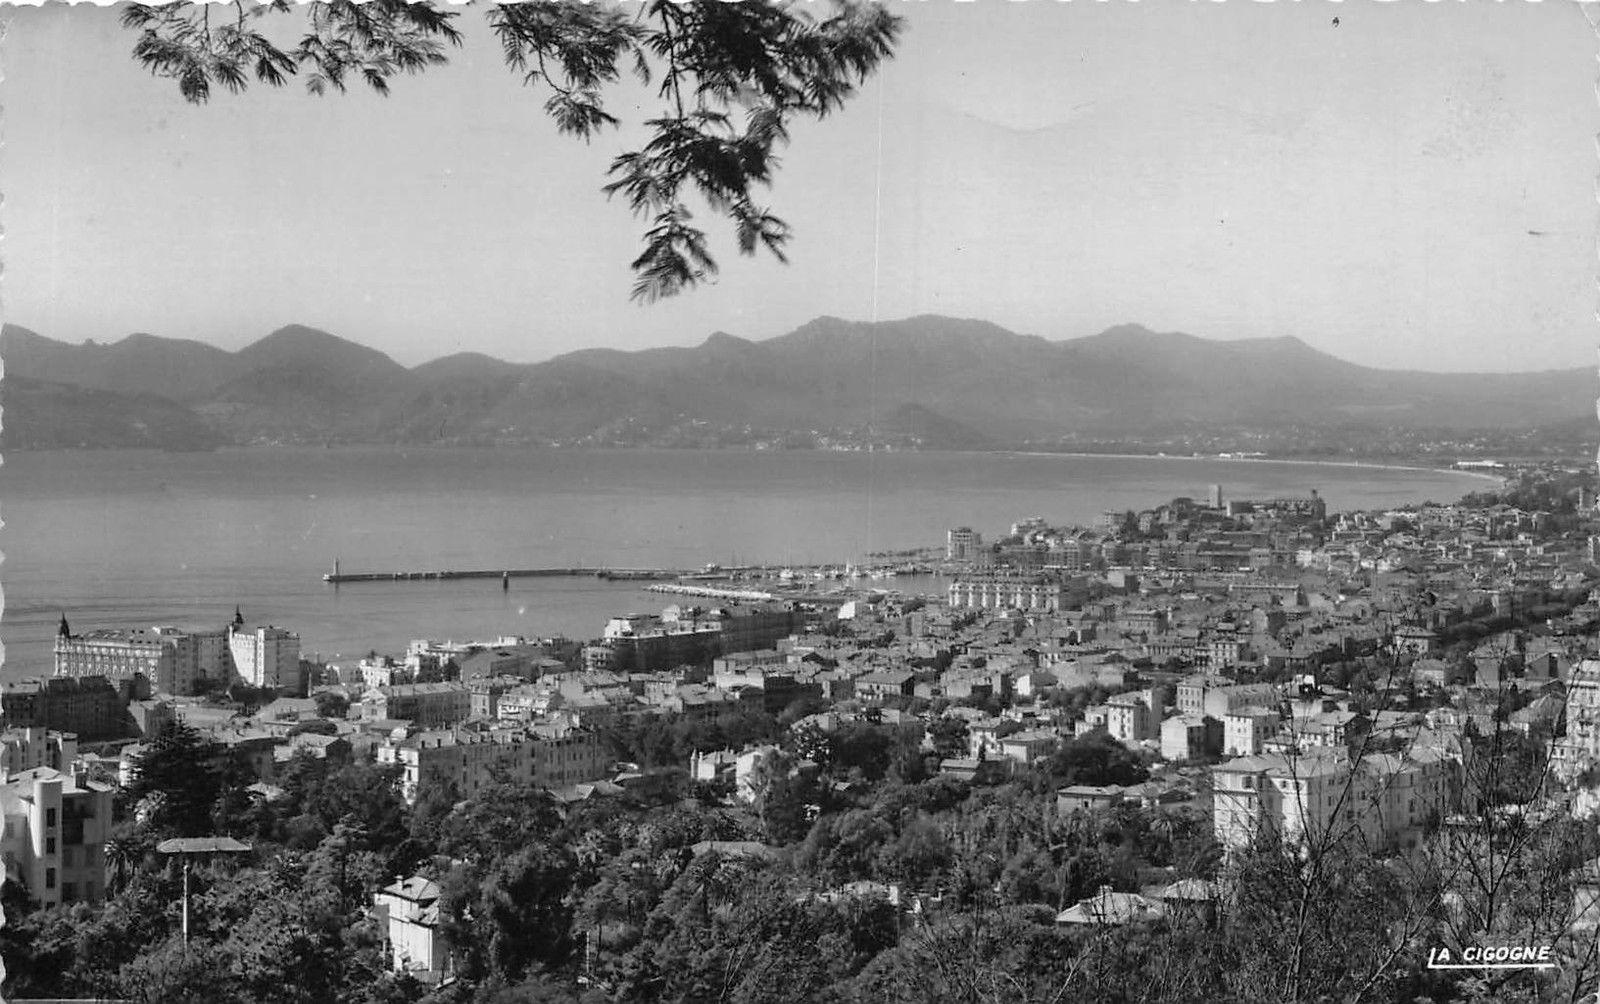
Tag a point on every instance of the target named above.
point(932, 381)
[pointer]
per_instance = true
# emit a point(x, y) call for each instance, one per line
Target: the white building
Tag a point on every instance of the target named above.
point(383, 671)
point(265, 656)
point(35, 746)
point(1183, 737)
point(54, 834)
point(1007, 593)
point(1321, 793)
point(1218, 696)
point(408, 913)
point(427, 705)
point(1580, 749)
point(1030, 746)
point(745, 767)
point(1132, 717)
point(1245, 731)
point(174, 661)
point(551, 756)
point(962, 544)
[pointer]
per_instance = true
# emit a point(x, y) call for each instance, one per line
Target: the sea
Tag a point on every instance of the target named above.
point(115, 539)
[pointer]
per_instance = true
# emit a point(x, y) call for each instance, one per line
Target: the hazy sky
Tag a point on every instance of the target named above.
point(1411, 188)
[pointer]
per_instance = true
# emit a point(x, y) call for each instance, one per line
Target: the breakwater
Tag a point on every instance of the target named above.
point(647, 574)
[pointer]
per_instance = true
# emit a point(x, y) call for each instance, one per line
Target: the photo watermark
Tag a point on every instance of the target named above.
point(1493, 957)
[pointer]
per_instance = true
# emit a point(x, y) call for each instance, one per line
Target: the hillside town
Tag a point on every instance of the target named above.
point(1199, 680)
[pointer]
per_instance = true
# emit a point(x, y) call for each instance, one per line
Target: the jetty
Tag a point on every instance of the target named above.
point(503, 574)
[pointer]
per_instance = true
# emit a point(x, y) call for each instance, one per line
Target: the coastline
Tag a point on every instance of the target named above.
point(141, 537)
point(545, 447)
point(1361, 464)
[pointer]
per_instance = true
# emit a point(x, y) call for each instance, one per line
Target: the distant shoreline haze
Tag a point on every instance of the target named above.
point(1129, 330)
point(925, 382)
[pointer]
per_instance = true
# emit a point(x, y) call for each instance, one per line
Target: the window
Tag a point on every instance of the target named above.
point(49, 878)
point(49, 845)
point(50, 818)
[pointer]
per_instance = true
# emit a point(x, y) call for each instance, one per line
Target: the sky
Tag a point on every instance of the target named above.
point(1413, 187)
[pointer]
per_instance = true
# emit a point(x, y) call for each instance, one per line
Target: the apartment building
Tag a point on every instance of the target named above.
point(54, 833)
point(384, 671)
point(997, 592)
point(408, 914)
point(471, 759)
point(1130, 719)
point(90, 706)
point(1030, 746)
point(265, 656)
point(1385, 800)
point(32, 747)
point(1245, 731)
point(1580, 748)
point(171, 660)
point(639, 643)
point(1190, 737)
point(962, 544)
point(424, 704)
point(689, 635)
point(1217, 696)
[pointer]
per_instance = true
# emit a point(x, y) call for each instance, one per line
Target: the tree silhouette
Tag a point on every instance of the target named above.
point(730, 78)
point(178, 777)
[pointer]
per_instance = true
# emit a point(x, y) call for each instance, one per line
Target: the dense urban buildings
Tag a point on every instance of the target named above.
point(1228, 678)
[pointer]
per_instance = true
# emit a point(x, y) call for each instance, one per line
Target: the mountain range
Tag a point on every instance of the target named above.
point(931, 381)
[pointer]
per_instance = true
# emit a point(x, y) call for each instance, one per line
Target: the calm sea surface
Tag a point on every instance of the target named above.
point(126, 538)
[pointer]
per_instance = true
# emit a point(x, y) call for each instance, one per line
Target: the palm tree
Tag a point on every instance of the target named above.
point(122, 857)
point(1179, 824)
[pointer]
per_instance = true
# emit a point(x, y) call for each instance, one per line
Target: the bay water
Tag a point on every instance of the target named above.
point(139, 538)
